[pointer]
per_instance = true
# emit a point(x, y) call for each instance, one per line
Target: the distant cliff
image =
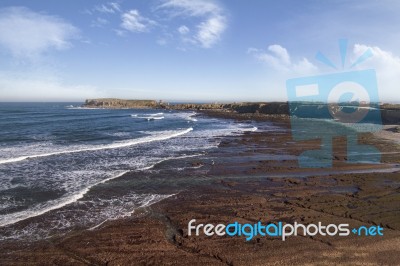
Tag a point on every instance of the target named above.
point(390, 113)
point(111, 103)
point(245, 107)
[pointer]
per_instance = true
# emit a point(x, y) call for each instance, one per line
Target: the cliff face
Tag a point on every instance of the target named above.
point(118, 103)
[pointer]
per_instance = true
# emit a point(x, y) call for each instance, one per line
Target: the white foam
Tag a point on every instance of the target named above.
point(148, 116)
point(189, 167)
point(51, 205)
point(168, 158)
point(253, 129)
point(82, 108)
point(190, 117)
point(170, 134)
point(100, 224)
point(149, 200)
point(91, 214)
point(155, 118)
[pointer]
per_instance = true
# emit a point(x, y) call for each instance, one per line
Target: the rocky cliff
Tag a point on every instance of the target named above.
point(119, 103)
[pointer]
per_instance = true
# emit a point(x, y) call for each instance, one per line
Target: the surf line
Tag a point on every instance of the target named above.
point(102, 147)
point(57, 204)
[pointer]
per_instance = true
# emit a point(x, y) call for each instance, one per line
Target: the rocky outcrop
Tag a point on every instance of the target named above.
point(245, 107)
point(111, 103)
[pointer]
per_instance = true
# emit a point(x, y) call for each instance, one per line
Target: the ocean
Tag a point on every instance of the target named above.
point(64, 167)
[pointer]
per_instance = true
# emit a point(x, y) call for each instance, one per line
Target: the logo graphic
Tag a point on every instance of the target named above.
point(280, 229)
point(333, 105)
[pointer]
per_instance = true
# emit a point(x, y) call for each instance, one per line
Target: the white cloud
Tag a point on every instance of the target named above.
point(282, 67)
point(27, 34)
point(212, 26)
point(99, 22)
point(195, 8)
point(34, 87)
point(104, 9)
point(278, 58)
point(134, 22)
point(115, 6)
point(183, 30)
point(210, 31)
point(387, 68)
point(281, 53)
point(111, 8)
point(205, 21)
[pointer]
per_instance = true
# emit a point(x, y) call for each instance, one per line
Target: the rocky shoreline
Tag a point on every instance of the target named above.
point(390, 113)
point(248, 187)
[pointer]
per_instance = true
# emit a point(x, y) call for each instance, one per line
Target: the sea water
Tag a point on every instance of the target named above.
point(62, 166)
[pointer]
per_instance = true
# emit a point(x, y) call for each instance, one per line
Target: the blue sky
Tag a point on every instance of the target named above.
point(187, 50)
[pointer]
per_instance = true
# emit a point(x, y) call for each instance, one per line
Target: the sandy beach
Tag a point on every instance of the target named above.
point(254, 177)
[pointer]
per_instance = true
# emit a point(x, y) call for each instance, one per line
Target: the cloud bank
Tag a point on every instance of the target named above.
point(203, 22)
point(213, 20)
point(134, 22)
point(27, 34)
point(278, 59)
point(280, 67)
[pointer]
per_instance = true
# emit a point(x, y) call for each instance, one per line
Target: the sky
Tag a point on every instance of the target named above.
point(189, 50)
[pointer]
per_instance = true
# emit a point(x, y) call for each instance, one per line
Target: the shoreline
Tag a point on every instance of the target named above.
point(236, 188)
point(387, 113)
point(390, 133)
